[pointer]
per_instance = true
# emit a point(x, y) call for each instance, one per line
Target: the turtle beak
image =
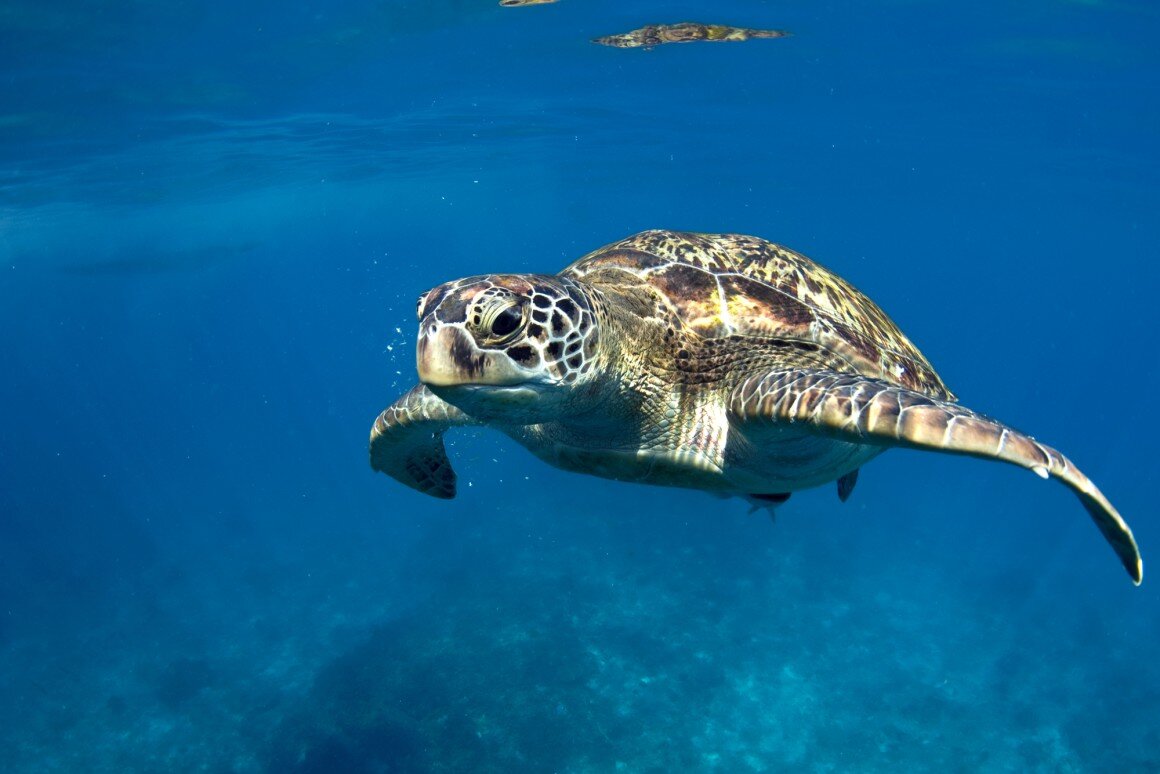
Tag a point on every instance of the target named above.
point(446, 357)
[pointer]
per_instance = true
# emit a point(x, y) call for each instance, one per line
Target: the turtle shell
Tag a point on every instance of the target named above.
point(742, 287)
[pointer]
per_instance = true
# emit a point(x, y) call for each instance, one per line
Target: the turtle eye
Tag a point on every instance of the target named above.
point(500, 322)
point(506, 322)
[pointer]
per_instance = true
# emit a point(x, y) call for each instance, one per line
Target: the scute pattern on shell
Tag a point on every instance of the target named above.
point(730, 285)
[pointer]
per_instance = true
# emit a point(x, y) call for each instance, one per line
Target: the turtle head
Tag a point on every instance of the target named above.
point(513, 347)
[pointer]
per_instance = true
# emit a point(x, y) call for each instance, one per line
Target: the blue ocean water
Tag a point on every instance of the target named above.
point(214, 222)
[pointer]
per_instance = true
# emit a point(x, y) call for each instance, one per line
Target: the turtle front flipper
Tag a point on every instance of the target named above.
point(859, 409)
point(407, 442)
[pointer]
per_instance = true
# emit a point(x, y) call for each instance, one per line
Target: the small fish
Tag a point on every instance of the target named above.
point(685, 32)
point(516, 3)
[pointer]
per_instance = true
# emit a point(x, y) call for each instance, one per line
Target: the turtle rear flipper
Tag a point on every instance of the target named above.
point(407, 442)
point(873, 411)
point(846, 485)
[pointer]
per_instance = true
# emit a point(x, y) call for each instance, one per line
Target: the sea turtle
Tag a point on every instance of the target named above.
point(685, 32)
point(718, 362)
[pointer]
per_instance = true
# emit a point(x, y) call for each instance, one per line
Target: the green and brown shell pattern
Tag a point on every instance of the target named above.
point(685, 32)
point(737, 288)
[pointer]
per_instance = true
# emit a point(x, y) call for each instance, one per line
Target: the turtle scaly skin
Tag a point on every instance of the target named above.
point(718, 362)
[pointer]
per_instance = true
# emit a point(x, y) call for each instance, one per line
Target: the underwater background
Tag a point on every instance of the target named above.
point(215, 220)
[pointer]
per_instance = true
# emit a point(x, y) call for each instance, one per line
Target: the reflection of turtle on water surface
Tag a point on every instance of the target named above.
point(685, 32)
point(514, 3)
point(709, 361)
